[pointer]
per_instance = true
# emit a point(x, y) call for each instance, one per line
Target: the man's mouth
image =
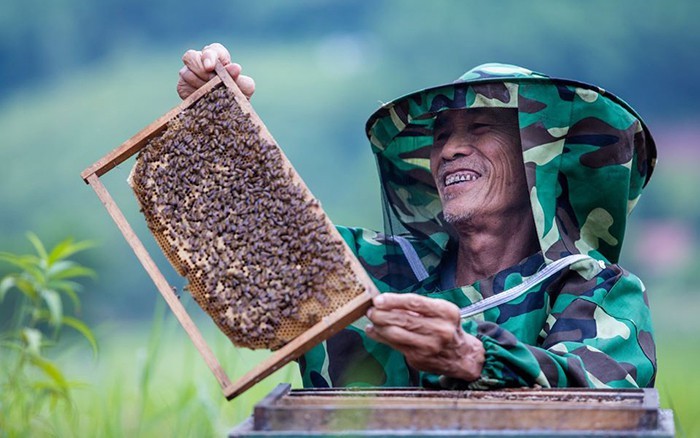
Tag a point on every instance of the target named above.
point(461, 176)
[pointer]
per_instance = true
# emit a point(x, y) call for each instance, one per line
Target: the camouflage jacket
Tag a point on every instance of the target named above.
point(587, 156)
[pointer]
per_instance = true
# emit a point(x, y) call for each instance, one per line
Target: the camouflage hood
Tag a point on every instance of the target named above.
point(587, 157)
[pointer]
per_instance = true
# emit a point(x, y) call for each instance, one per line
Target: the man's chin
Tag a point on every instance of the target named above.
point(456, 218)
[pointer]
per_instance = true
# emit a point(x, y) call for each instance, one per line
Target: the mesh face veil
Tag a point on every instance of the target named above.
point(586, 153)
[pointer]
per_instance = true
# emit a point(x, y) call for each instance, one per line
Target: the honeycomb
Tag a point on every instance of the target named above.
point(232, 216)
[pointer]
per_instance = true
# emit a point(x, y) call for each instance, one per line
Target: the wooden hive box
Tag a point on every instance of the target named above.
point(213, 186)
point(427, 413)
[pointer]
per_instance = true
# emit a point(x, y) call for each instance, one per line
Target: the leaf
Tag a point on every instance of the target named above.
point(58, 251)
point(27, 263)
point(38, 246)
point(6, 284)
point(26, 287)
point(66, 285)
point(69, 288)
point(8, 257)
point(50, 387)
point(60, 266)
point(32, 339)
point(12, 345)
point(55, 306)
point(83, 329)
point(50, 370)
point(72, 271)
point(67, 248)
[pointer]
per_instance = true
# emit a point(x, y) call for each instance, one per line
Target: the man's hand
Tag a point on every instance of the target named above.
point(199, 68)
point(428, 332)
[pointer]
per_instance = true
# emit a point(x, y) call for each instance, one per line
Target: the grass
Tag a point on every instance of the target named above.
point(678, 383)
point(150, 381)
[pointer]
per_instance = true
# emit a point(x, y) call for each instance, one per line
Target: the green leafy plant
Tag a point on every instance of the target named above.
point(33, 299)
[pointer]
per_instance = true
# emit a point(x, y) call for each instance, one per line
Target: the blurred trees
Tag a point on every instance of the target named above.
point(39, 40)
point(77, 78)
point(631, 45)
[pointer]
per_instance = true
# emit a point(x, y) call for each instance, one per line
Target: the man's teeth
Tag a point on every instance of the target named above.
point(459, 177)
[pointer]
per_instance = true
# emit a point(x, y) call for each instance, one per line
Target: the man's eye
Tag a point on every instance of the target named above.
point(480, 126)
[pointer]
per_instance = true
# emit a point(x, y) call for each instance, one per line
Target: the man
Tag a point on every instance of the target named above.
point(507, 194)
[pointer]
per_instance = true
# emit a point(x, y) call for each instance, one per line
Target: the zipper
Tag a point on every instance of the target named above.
point(516, 291)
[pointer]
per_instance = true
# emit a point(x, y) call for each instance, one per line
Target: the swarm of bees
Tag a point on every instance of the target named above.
point(228, 211)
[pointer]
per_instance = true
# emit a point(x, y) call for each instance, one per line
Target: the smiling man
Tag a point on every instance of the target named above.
point(476, 161)
point(506, 195)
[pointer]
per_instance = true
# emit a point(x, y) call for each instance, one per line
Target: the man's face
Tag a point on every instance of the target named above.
point(476, 160)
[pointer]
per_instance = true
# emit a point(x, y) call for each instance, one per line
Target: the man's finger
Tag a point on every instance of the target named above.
point(213, 52)
point(191, 79)
point(193, 61)
point(411, 321)
point(209, 58)
point(403, 340)
point(431, 307)
point(246, 84)
point(420, 352)
point(184, 90)
point(234, 69)
point(397, 338)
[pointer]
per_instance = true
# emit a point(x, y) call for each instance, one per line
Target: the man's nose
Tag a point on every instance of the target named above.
point(457, 146)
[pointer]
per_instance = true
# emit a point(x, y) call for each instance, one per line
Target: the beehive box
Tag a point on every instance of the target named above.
point(420, 412)
point(232, 215)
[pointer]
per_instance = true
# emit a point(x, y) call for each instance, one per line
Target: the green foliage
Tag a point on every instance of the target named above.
point(33, 297)
point(151, 381)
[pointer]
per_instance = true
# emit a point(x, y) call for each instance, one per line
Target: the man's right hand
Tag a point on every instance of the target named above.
point(199, 68)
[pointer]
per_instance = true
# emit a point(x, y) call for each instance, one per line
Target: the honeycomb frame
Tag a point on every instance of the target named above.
point(303, 337)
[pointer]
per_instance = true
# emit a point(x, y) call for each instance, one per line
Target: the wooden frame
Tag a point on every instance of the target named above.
point(304, 342)
point(384, 411)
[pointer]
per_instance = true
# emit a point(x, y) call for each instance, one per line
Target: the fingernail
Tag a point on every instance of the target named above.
point(208, 63)
point(378, 300)
point(369, 327)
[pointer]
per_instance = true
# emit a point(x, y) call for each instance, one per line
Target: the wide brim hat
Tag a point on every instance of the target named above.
point(566, 126)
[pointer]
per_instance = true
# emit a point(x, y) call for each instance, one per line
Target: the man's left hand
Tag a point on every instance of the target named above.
point(428, 332)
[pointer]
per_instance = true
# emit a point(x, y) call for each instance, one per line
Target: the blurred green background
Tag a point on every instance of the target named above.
point(77, 78)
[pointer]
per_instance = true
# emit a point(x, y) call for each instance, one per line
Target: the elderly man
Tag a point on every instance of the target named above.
point(507, 194)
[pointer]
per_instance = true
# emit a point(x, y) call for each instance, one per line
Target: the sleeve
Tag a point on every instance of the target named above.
point(354, 237)
point(599, 337)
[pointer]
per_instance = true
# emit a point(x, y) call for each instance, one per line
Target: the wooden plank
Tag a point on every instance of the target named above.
point(379, 418)
point(161, 283)
point(138, 141)
point(327, 327)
